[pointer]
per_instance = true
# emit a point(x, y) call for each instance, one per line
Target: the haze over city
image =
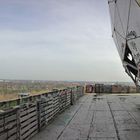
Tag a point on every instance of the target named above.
point(58, 40)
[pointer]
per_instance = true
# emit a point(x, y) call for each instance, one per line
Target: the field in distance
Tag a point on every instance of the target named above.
point(9, 89)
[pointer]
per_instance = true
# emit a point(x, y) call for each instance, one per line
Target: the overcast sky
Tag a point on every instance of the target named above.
point(58, 40)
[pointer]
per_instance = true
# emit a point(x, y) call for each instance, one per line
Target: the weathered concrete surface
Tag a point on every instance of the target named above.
point(106, 117)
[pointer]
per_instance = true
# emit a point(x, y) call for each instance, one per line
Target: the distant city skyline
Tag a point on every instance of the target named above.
point(58, 40)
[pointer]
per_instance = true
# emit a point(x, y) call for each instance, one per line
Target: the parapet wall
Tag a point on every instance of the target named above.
point(32, 114)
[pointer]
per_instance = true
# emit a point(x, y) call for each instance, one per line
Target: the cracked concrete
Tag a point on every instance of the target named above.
point(105, 117)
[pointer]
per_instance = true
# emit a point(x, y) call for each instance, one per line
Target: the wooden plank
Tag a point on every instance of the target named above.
point(28, 127)
point(28, 116)
point(43, 114)
point(33, 133)
point(50, 115)
point(57, 104)
point(11, 118)
point(1, 121)
point(49, 110)
point(28, 122)
point(28, 107)
point(11, 125)
point(29, 132)
point(13, 137)
point(3, 136)
point(49, 104)
point(43, 106)
point(12, 131)
point(24, 120)
point(56, 108)
point(27, 111)
point(1, 129)
point(43, 103)
point(43, 122)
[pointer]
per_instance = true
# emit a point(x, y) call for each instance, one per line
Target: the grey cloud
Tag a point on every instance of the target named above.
point(71, 40)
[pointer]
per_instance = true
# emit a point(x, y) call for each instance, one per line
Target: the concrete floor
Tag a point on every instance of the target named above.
point(106, 117)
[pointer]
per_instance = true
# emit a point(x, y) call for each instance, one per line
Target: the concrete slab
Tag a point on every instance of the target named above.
point(105, 117)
